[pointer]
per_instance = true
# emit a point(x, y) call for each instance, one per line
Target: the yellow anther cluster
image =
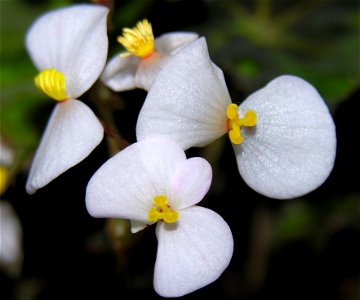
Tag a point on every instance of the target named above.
point(139, 40)
point(235, 123)
point(162, 211)
point(52, 83)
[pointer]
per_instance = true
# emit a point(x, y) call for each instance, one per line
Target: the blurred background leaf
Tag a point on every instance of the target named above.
point(255, 41)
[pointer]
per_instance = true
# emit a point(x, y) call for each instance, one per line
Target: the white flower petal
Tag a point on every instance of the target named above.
point(136, 226)
point(190, 183)
point(187, 101)
point(292, 149)
point(120, 72)
point(74, 41)
point(170, 43)
point(148, 70)
point(72, 132)
point(125, 186)
point(192, 252)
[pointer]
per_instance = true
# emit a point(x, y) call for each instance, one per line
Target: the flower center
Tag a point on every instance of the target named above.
point(52, 83)
point(139, 40)
point(235, 123)
point(162, 211)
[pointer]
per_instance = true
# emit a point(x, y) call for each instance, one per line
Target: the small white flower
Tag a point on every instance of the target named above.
point(145, 56)
point(283, 135)
point(69, 47)
point(11, 251)
point(153, 181)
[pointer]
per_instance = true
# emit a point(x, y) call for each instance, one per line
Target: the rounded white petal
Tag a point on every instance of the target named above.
point(120, 72)
point(74, 41)
point(170, 43)
point(187, 102)
point(72, 133)
point(125, 186)
point(192, 252)
point(291, 151)
point(190, 183)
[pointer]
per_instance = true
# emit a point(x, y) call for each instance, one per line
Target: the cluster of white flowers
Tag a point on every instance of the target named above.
point(283, 136)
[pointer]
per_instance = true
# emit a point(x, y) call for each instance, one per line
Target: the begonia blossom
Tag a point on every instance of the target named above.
point(11, 251)
point(283, 135)
point(153, 182)
point(69, 47)
point(145, 56)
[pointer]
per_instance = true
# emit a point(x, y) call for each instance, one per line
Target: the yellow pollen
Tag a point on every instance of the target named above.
point(162, 211)
point(235, 123)
point(139, 40)
point(52, 83)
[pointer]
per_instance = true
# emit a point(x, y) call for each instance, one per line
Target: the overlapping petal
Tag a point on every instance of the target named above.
point(72, 132)
point(291, 150)
point(192, 253)
point(125, 186)
point(74, 41)
point(120, 72)
point(188, 100)
point(172, 42)
point(148, 69)
point(126, 73)
point(190, 183)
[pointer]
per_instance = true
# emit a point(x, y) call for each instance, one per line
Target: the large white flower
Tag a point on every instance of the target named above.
point(153, 181)
point(283, 135)
point(145, 56)
point(69, 47)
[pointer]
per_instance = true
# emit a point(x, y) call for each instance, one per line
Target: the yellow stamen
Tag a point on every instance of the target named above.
point(162, 211)
point(3, 179)
point(235, 123)
point(52, 83)
point(139, 40)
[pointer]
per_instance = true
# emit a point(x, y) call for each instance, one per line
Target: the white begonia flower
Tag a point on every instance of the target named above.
point(145, 56)
point(283, 135)
point(11, 251)
point(69, 46)
point(153, 181)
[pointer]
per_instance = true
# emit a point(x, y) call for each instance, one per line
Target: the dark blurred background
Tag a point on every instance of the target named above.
point(304, 248)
